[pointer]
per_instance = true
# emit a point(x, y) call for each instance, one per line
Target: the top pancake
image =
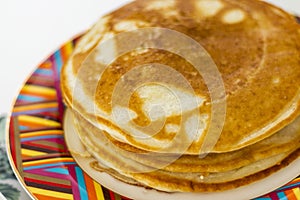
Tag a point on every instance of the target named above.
point(254, 45)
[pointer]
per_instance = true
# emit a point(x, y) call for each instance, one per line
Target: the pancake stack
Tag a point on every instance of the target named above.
point(151, 118)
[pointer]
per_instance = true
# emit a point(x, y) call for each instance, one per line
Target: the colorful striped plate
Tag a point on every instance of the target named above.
point(37, 147)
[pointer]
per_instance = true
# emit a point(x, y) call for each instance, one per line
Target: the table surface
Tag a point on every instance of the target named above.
point(32, 29)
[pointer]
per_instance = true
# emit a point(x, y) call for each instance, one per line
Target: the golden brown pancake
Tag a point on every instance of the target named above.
point(244, 38)
point(283, 141)
point(150, 116)
point(112, 161)
point(173, 183)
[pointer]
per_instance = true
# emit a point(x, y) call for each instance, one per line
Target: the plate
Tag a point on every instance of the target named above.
point(39, 155)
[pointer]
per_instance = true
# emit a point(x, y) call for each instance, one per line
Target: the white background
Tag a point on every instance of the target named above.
point(30, 30)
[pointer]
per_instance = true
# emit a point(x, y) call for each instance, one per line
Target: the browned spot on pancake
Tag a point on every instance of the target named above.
point(136, 105)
